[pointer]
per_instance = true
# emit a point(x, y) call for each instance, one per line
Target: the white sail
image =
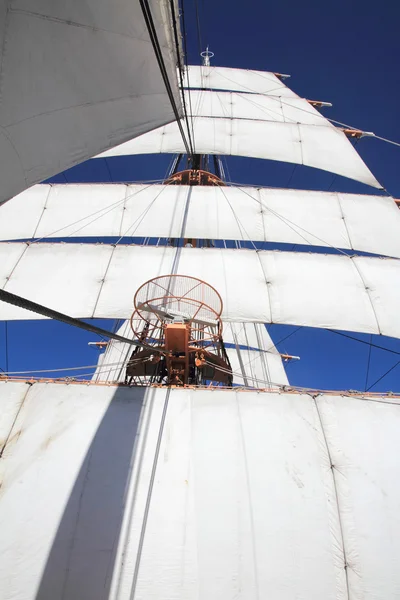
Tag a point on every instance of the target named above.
point(316, 290)
point(240, 80)
point(77, 78)
point(267, 126)
point(324, 148)
point(350, 221)
point(254, 107)
point(253, 357)
point(124, 493)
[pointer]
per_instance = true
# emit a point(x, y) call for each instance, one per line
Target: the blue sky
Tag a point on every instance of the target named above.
point(345, 52)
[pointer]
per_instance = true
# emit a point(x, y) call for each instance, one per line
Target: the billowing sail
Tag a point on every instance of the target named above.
point(128, 493)
point(239, 80)
point(78, 78)
point(88, 280)
point(253, 357)
point(349, 221)
point(269, 125)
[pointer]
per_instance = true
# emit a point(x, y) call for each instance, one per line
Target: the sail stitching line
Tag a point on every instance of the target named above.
point(249, 500)
point(289, 223)
point(15, 418)
point(107, 209)
point(149, 495)
point(301, 145)
point(114, 246)
point(267, 283)
point(123, 210)
point(337, 194)
point(332, 468)
point(368, 292)
point(16, 265)
point(239, 223)
point(43, 209)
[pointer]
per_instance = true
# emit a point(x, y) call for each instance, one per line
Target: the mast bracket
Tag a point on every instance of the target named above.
point(319, 103)
point(282, 75)
point(356, 133)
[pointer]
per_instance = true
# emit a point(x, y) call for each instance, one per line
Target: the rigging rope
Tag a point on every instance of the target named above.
point(369, 362)
point(200, 45)
point(187, 72)
point(157, 50)
point(53, 314)
point(104, 211)
point(290, 223)
point(384, 375)
point(363, 341)
point(175, 29)
point(285, 338)
point(6, 340)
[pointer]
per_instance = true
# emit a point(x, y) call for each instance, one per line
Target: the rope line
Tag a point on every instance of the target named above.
point(157, 50)
point(368, 362)
point(363, 341)
point(384, 375)
point(175, 30)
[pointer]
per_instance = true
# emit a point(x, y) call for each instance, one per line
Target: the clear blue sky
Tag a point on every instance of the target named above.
point(345, 52)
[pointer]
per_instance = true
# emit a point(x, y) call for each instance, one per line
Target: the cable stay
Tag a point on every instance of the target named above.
point(57, 316)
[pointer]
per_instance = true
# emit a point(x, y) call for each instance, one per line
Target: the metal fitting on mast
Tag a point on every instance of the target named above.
point(206, 55)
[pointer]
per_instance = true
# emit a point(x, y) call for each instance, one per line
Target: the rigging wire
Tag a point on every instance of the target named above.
point(291, 175)
point(144, 4)
point(104, 211)
point(283, 339)
point(369, 362)
point(108, 169)
point(290, 223)
point(6, 341)
point(363, 341)
point(187, 71)
point(175, 30)
point(384, 375)
point(200, 45)
point(26, 304)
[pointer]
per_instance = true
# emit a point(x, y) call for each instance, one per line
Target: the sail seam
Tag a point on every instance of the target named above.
point(301, 144)
point(149, 495)
point(267, 283)
point(42, 213)
point(123, 210)
point(176, 260)
point(344, 221)
point(16, 265)
point(353, 260)
point(249, 499)
point(29, 384)
point(335, 487)
point(102, 281)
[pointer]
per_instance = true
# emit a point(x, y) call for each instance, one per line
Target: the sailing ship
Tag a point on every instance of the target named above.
point(187, 466)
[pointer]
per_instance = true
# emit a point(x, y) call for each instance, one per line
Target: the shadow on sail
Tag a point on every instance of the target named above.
point(82, 557)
